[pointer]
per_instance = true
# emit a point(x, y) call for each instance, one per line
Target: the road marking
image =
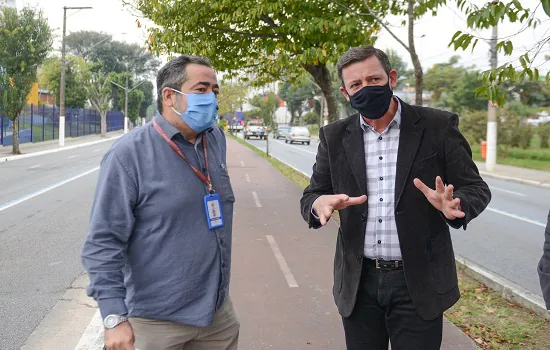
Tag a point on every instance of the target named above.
point(247, 178)
point(55, 263)
point(238, 156)
point(97, 150)
point(35, 166)
point(506, 191)
point(256, 199)
point(44, 190)
point(295, 147)
point(517, 217)
point(282, 262)
point(71, 157)
point(242, 163)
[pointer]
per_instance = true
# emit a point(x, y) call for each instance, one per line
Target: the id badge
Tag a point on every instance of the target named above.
point(214, 214)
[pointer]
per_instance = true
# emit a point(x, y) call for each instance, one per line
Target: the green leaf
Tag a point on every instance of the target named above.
point(546, 6)
point(523, 63)
point(501, 100)
point(474, 45)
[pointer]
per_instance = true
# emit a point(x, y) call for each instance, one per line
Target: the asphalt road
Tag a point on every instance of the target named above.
point(506, 239)
point(41, 234)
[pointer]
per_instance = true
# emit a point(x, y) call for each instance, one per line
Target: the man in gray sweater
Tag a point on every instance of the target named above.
point(158, 252)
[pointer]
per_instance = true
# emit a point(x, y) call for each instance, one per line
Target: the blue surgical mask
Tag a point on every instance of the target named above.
point(201, 110)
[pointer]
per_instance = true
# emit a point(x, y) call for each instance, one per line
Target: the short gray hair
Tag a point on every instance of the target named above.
point(173, 75)
point(361, 53)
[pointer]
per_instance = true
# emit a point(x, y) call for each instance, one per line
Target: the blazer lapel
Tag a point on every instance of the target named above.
point(355, 152)
point(410, 135)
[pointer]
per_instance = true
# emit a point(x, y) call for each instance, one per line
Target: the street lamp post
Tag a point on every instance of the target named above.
point(63, 68)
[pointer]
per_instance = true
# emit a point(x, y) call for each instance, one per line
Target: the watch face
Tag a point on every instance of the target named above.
point(110, 321)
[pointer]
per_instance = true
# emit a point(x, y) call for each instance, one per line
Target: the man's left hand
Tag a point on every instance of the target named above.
point(442, 198)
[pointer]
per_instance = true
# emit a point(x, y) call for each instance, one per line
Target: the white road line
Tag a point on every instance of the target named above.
point(296, 148)
point(35, 166)
point(44, 190)
point(506, 191)
point(97, 150)
point(256, 199)
point(282, 262)
point(92, 338)
point(71, 157)
point(238, 156)
point(247, 178)
point(242, 163)
point(517, 217)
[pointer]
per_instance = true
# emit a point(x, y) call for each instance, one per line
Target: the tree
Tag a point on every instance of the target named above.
point(231, 97)
point(400, 66)
point(116, 56)
point(515, 71)
point(460, 95)
point(99, 94)
point(295, 95)
point(441, 76)
point(148, 97)
point(135, 98)
point(76, 75)
point(265, 107)
point(26, 40)
point(263, 39)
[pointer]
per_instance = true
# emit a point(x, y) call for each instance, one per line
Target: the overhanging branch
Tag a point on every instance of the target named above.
point(253, 35)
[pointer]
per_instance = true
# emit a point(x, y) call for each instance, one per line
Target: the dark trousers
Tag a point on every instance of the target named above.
point(384, 313)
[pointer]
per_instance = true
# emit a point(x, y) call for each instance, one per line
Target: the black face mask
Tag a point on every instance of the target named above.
point(372, 101)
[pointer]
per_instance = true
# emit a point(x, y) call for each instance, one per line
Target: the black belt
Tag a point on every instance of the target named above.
point(384, 264)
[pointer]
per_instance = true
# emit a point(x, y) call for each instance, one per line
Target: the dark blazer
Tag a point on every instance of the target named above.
point(544, 266)
point(430, 145)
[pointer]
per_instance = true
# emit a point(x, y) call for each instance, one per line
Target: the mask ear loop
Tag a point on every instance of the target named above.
point(179, 92)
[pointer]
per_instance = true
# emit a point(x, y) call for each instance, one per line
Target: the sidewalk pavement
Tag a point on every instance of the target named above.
point(28, 149)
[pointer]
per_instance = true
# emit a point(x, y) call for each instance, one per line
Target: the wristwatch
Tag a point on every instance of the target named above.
point(112, 321)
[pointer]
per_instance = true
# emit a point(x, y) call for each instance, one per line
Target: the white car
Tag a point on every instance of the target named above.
point(299, 134)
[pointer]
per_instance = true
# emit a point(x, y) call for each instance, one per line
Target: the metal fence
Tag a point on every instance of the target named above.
point(41, 123)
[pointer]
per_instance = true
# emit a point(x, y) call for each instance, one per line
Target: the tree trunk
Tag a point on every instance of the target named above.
point(418, 74)
point(322, 77)
point(15, 137)
point(103, 124)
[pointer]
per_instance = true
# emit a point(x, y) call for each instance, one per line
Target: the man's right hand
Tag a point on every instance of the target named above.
point(325, 205)
point(120, 338)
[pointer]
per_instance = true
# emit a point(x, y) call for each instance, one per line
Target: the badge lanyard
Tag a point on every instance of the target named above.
point(212, 201)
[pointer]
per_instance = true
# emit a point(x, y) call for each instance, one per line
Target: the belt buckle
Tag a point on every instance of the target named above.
point(377, 263)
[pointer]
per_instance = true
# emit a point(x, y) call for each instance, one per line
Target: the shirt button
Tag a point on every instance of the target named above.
point(359, 255)
point(381, 199)
point(363, 218)
point(379, 242)
point(380, 158)
point(380, 220)
point(381, 178)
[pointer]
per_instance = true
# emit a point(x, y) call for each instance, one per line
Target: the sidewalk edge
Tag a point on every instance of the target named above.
point(514, 179)
point(507, 289)
point(55, 150)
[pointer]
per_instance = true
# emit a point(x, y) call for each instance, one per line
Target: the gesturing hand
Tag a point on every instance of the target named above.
point(442, 198)
point(325, 205)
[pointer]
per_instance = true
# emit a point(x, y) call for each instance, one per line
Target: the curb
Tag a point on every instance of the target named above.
point(507, 289)
point(55, 150)
point(515, 179)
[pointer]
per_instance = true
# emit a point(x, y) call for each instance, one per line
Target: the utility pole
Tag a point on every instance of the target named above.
point(491, 159)
point(63, 68)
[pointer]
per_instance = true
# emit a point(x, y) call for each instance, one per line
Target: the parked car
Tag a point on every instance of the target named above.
point(298, 134)
point(282, 131)
point(255, 128)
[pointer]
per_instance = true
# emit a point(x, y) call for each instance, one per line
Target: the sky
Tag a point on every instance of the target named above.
point(433, 34)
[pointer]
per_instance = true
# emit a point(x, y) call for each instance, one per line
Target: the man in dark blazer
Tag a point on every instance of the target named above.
point(544, 266)
point(394, 267)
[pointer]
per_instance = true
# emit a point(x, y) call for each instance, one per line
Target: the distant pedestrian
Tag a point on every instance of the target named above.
point(158, 252)
point(394, 269)
point(544, 266)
